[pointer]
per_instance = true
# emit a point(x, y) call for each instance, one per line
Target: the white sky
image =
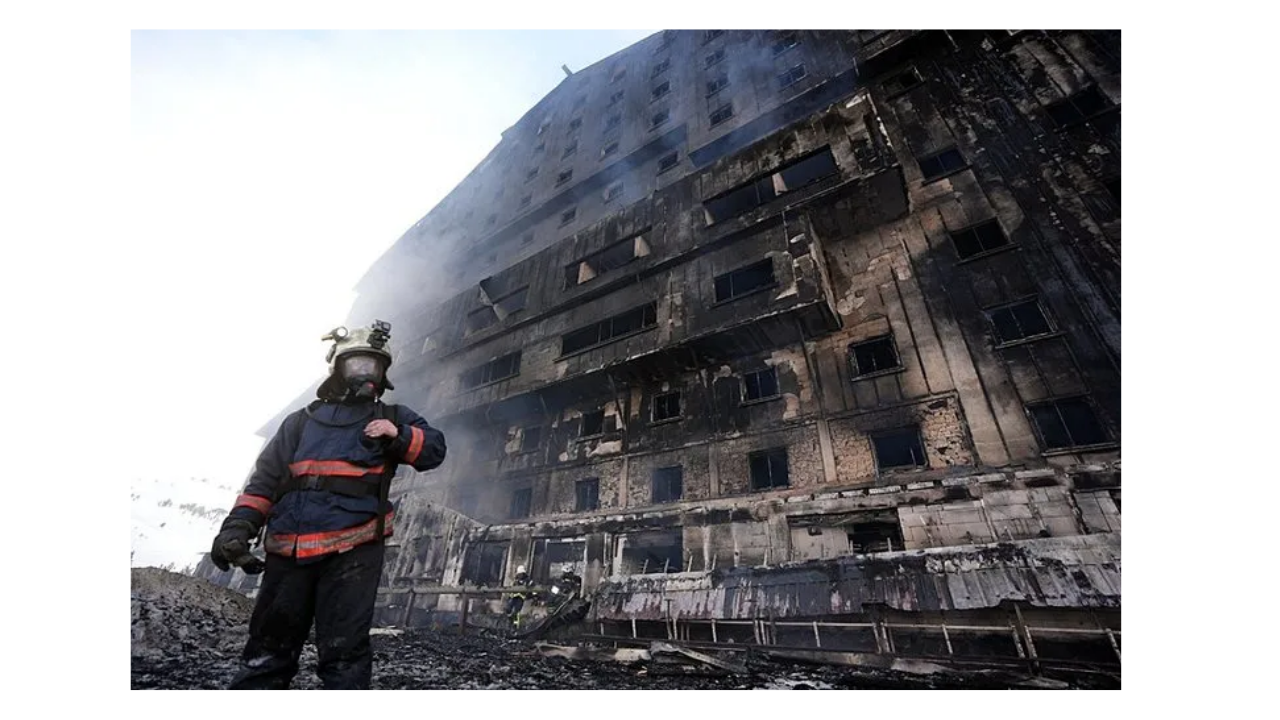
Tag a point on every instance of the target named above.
point(270, 170)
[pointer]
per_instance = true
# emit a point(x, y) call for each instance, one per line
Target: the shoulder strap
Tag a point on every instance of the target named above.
point(384, 484)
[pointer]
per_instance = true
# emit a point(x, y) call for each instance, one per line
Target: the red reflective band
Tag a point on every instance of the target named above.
point(415, 446)
point(332, 467)
point(260, 504)
point(321, 543)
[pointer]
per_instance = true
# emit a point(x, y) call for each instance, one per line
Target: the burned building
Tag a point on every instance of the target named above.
point(792, 337)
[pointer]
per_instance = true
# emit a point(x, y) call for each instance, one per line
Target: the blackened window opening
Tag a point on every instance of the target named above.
point(592, 424)
point(660, 551)
point(717, 84)
point(744, 280)
point(486, 562)
point(668, 484)
point(875, 536)
point(940, 164)
point(873, 356)
point(1020, 321)
point(586, 495)
point(898, 448)
point(521, 503)
point(722, 113)
point(668, 161)
point(1078, 108)
point(902, 82)
point(769, 469)
point(1070, 422)
point(530, 439)
point(610, 329)
point(661, 90)
point(789, 178)
point(666, 407)
point(478, 320)
point(792, 76)
point(784, 41)
point(659, 118)
point(499, 369)
point(761, 384)
point(979, 238)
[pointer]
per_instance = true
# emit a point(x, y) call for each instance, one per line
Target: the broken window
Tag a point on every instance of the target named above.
point(575, 123)
point(653, 551)
point(717, 84)
point(873, 356)
point(785, 41)
point(875, 536)
point(898, 448)
point(661, 90)
point(566, 551)
point(1113, 188)
point(609, 149)
point(792, 76)
point(587, 495)
point(526, 201)
point(744, 281)
point(485, 563)
point(612, 192)
point(661, 68)
point(659, 118)
point(521, 503)
point(530, 438)
point(571, 149)
point(610, 329)
point(592, 424)
point(1018, 322)
point(942, 163)
point(979, 238)
point(478, 320)
point(668, 484)
point(666, 407)
point(1078, 107)
point(769, 469)
point(499, 369)
point(722, 113)
point(761, 384)
point(668, 161)
point(610, 258)
point(569, 215)
point(1069, 422)
point(788, 178)
point(902, 82)
point(715, 57)
point(563, 178)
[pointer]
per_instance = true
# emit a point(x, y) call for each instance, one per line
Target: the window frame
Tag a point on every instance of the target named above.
point(892, 344)
point(653, 411)
point(777, 386)
point(917, 436)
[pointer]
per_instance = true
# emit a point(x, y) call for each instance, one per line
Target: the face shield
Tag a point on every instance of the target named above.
point(358, 366)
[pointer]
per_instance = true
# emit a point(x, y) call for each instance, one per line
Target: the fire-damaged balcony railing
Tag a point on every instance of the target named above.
point(1019, 637)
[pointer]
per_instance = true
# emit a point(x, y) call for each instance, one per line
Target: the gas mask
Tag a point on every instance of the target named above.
point(362, 375)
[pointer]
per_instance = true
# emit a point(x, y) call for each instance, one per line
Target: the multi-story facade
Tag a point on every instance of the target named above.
point(799, 325)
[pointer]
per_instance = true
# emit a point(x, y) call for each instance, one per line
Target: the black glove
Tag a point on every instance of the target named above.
point(231, 547)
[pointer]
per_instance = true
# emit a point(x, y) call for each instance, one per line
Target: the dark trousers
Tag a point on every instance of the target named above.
point(338, 592)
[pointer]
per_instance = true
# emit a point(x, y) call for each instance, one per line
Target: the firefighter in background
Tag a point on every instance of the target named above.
point(515, 603)
point(320, 489)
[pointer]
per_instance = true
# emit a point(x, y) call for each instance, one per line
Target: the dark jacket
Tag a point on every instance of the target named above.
point(323, 445)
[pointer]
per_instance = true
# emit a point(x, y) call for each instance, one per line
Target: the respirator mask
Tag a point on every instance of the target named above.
point(362, 375)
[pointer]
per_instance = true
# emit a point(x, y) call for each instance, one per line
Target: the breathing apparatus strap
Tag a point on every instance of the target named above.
point(384, 484)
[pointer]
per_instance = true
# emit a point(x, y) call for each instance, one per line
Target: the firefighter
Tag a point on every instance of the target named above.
point(320, 489)
point(515, 603)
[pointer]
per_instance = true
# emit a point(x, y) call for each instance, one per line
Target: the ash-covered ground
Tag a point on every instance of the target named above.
point(188, 633)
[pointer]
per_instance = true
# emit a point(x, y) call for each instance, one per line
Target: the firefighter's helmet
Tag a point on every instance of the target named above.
point(365, 341)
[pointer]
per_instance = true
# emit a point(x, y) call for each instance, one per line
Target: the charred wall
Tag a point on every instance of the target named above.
point(933, 363)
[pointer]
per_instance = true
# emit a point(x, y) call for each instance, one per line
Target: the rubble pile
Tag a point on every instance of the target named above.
point(188, 633)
